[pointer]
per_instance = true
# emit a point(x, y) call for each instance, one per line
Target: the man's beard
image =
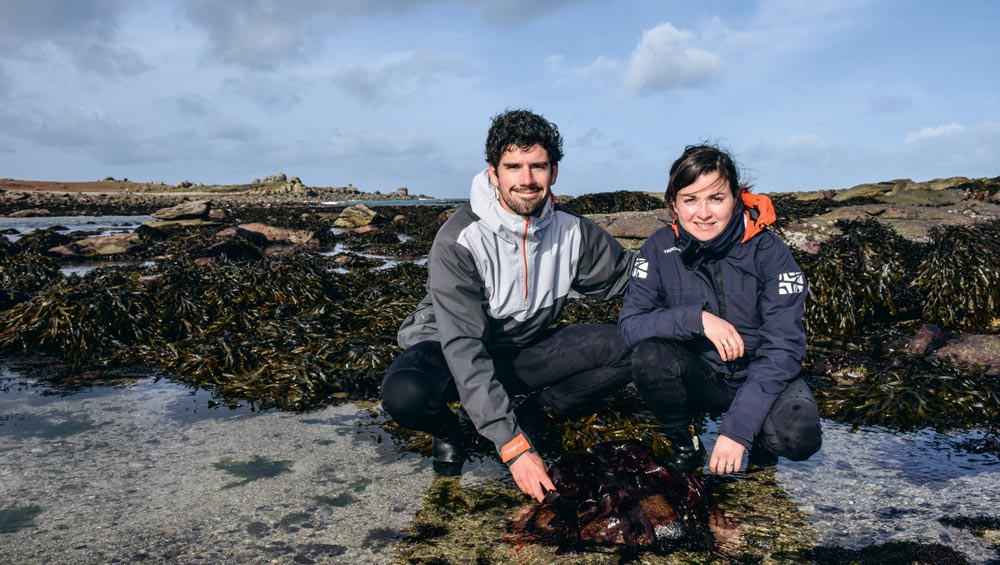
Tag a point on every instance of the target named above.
point(523, 207)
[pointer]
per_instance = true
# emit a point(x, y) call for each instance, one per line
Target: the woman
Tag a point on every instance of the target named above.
point(714, 314)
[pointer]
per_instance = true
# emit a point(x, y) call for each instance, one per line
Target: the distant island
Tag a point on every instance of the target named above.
point(276, 184)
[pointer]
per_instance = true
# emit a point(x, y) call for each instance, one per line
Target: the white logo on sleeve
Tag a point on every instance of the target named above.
point(790, 283)
point(640, 268)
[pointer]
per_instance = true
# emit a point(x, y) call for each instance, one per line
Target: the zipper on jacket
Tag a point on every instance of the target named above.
point(524, 253)
point(720, 291)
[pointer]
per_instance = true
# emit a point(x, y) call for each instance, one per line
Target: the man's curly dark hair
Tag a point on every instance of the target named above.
point(523, 129)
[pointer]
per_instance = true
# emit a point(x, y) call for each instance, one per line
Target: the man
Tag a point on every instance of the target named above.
point(499, 273)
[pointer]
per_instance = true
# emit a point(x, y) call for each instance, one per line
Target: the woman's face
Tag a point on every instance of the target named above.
point(705, 206)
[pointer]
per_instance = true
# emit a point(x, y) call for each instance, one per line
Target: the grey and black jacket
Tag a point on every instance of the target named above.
point(500, 279)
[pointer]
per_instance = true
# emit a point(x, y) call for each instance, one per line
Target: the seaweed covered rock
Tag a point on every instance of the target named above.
point(910, 393)
point(616, 493)
point(853, 278)
point(611, 202)
point(41, 241)
point(105, 245)
point(960, 278)
point(278, 332)
point(24, 274)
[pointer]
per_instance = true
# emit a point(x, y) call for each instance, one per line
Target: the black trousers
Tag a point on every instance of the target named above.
point(571, 366)
point(674, 383)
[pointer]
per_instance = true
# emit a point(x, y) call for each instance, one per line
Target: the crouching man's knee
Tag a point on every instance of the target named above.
point(405, 397)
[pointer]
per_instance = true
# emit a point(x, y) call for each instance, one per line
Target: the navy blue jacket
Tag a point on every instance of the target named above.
point(746, 276)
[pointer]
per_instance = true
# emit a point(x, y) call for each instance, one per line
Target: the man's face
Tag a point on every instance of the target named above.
point(523, 178)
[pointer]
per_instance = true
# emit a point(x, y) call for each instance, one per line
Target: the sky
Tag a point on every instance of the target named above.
point(384, 94)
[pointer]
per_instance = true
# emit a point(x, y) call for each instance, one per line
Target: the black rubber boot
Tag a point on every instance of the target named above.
point(687, 454)
point(536, 423)
point(449, 451)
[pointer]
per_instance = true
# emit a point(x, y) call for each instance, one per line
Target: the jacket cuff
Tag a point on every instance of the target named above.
point(514, 448)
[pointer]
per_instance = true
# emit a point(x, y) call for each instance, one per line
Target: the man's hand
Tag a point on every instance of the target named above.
point(723, 335)
point(530, 475)
point(727, 456)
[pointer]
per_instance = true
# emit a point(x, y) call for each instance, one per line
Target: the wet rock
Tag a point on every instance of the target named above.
point(357, 216)
point(921, 342)
point(267, 235)
point(190, 210)
point(257, 529)
point(102, 245)
point(162, 230)
point(973, 349)
point(29, 213)
point(632, 228)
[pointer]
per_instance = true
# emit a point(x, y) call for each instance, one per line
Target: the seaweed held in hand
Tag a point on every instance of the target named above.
point(615, 493)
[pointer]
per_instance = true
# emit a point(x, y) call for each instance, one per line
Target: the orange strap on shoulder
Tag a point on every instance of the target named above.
point(514, 447)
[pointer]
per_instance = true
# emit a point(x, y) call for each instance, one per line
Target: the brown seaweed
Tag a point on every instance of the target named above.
point(616, 493)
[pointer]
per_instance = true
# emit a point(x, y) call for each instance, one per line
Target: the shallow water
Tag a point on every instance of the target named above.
point(866, 486)
point(108, 225)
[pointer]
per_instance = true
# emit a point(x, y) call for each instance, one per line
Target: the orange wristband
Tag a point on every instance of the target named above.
point(514, 447)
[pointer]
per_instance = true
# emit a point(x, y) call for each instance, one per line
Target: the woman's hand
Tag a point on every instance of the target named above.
point(727, 456)
point(723, 335)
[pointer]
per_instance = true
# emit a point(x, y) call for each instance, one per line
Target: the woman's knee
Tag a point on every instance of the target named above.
point(654, 359)
point(795, 421)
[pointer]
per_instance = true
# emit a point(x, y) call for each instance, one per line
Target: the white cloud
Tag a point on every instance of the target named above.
point(94, 131)
point(666, 58)
point(86, 32)
point(267, 34)
point(928, 133)
point(596, 141)
point(597, 71)
point(399, 76)
point(514, 11)
point(357, 143)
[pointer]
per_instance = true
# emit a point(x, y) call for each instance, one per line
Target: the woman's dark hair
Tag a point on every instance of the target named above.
point(523, 129)
point(698, 160)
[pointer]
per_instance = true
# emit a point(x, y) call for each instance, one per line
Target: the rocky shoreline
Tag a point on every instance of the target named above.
point(282, 302)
